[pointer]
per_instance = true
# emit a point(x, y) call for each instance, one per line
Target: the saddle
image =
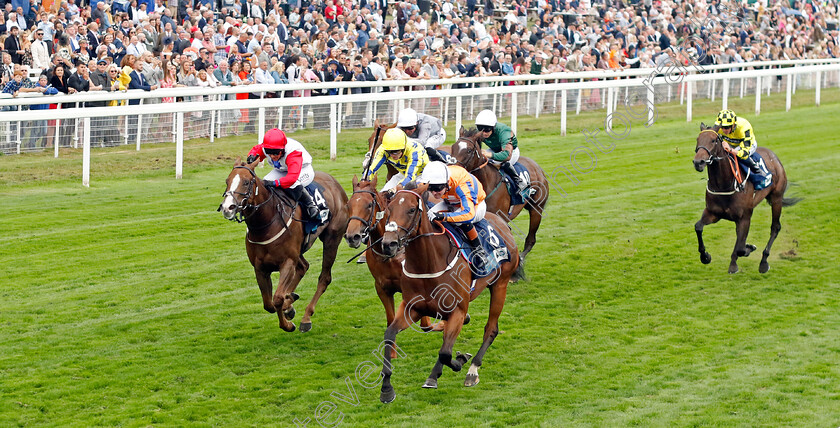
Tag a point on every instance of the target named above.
point(309, 226)
point(493, 244)
point(517, 198)
point(759, 181)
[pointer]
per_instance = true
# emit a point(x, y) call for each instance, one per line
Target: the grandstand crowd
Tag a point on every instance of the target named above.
point(81, 45)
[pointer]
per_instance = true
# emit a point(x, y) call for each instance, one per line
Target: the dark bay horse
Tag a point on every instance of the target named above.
point(274, 238)
point(438, 282)
point(367, 225)
point(725, 201)
point(467, 151)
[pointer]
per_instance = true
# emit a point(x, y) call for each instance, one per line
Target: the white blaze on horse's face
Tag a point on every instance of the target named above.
point(463, 145)
point(392, 227)
point(229, 200)
point(401, 201)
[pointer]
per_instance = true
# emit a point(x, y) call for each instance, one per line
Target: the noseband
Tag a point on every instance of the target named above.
point(242, 205)
point(475, 153)
point(415, 221)
point(370, 221)
point(716, 142)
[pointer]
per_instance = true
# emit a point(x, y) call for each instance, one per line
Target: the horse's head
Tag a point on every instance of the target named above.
point(406, 214)
point(467, 150)
point(244, 190)
point(376, 137)
point(709, 147)
point(366, 209)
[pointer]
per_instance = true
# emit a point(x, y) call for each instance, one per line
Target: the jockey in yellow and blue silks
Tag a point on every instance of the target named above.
point(407, 157)
point(738, 134)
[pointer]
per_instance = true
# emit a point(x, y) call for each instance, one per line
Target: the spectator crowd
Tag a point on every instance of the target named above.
point(110, 45)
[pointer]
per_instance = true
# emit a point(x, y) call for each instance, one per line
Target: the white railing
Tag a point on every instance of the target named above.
point(556, 93)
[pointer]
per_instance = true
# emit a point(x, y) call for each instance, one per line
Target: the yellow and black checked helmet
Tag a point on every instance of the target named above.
point(726, 118)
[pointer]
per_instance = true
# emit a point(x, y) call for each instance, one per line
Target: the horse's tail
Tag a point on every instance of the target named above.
point(519, 273)
point(788, 202)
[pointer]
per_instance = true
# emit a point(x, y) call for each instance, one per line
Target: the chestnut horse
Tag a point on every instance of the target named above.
point(467, 151)
point(432, 265)
point(724, 199)
point(366, 225)
point(270, 216)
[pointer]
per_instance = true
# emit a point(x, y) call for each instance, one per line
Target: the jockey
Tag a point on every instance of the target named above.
point(408, 157)
point(292, 170)
point(499, 138)
point(738, 132)
point(462, 204)
point(426, 130)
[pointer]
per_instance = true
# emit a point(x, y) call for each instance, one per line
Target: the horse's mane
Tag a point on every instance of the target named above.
point(470, 132)
point(412, 185)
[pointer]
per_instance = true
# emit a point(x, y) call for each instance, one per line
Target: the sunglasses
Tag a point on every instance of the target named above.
point(393, 152)
point(437, 187)
point(484, 128)
point(406, 128)
point(273, 151)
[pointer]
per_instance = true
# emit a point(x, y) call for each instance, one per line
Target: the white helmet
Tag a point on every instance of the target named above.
point(408, 118)
point(485, 117)
point(435, 173)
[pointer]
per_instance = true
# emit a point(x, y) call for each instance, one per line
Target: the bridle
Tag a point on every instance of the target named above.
point(373, 219)
point(242, 204)
point(718, 142)
point(475, 153)
point(414, 223)
point(715, 143)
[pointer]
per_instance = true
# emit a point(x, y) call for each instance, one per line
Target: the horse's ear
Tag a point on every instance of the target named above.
point(462, 131)
point(355, 181)
point(238, 161)
point(703, 126)
point(715, 128)
point(376, 123)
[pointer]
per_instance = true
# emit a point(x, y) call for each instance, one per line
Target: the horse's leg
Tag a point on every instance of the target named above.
point(291, 297)
point(264, 282)
point(287, 276)
point(742, 229)
point(387, 300)
point(400, 323)
point(498, 294)
point(706, 218)
point(775, 227)
point(331, 242)
point(534, 220)
point(450, 333)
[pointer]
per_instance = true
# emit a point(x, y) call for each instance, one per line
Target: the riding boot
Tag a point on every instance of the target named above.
point(521, 185)
point(302, 197)
point(434, 155)
point(478, 257)
point(752, 165)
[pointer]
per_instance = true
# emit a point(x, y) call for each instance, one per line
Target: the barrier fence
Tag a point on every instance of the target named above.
point(167, 115)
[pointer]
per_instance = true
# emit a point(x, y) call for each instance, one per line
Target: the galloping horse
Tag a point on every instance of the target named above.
point(271, 216)
point(724, 200)
point(467, 151)
point(429, 255)
point(367, 210)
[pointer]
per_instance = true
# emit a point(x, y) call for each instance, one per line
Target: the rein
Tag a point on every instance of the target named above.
point(733, 166)
point(486, 162)
point(242, 206)
point(409, 231)
point(374, 219)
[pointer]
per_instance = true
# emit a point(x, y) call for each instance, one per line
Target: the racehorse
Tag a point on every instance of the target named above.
point(429, 255)
point(726, 200)
point(367, 210)
point(271, 216)
point(467, 152)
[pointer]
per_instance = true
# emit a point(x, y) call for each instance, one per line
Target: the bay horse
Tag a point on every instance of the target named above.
point(467, 152)
point(438, 282)
point(367, 210)
point(724, 199)
point(274, 238)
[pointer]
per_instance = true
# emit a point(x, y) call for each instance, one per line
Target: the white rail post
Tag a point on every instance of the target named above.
point(333, 130)
point(261, 122)
point(579, 94)
point(179, 145)
point(742, 87)
point(757, 95)
point(338, 113)
point(139, 127)
point(712, 90)
point(608, 122)
point(563, 113)
point(458, 108)
point(86, 153)
point(76, 130)
point(513, 112)
point(819, 84)
point(446, 110)
point(787, 90)
point(681, 89)
point(793, 76)
point(57, 127)
point(213, 120)
point(651, 105)
point(725, 94)
point(689, 91)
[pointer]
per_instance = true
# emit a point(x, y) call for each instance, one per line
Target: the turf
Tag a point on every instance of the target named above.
point(132, 302)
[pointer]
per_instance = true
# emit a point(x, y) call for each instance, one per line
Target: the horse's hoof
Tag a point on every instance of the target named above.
point(305, 326)
point(763, 267)
point(705, 258)
point(430, 384)
point(387, 396)
point(751, 248)
point(471, 380)
point(467, 319)
point(294, 297)
point(463, 358)
point(270, 309)
point(733, 269)
point(290, 314)
point(291, 329)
